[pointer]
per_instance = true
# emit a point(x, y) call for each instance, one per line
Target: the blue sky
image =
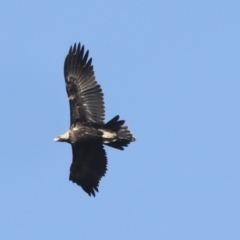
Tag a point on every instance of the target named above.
point(171, 70)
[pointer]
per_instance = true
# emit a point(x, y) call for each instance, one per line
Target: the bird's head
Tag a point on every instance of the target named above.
point(62, 138)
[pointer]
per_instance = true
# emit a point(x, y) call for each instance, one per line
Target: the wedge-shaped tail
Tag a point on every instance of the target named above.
point(124, 136)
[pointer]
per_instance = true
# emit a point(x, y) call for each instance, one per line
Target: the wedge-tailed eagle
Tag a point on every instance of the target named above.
point(88, 132)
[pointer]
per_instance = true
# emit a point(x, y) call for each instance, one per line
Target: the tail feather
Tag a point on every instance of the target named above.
point(124, 136)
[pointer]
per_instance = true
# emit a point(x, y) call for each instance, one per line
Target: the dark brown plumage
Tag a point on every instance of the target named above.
point(88, 132)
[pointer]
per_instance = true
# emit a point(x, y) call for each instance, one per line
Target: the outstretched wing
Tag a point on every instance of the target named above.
point(89, 166)
point(84, 93)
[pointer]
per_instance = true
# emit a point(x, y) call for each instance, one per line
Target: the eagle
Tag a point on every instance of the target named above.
point(88, 133)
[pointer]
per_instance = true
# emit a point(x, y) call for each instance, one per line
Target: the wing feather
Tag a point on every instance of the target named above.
point(84, 93)
point(89, 166)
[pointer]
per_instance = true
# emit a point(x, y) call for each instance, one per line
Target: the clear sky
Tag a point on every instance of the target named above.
point(171, 69)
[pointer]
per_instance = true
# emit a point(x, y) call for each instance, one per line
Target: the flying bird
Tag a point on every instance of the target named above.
point(88, 132)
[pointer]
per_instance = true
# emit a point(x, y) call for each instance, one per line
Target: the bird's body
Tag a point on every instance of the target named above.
point(82, 133)
point(88, 132)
